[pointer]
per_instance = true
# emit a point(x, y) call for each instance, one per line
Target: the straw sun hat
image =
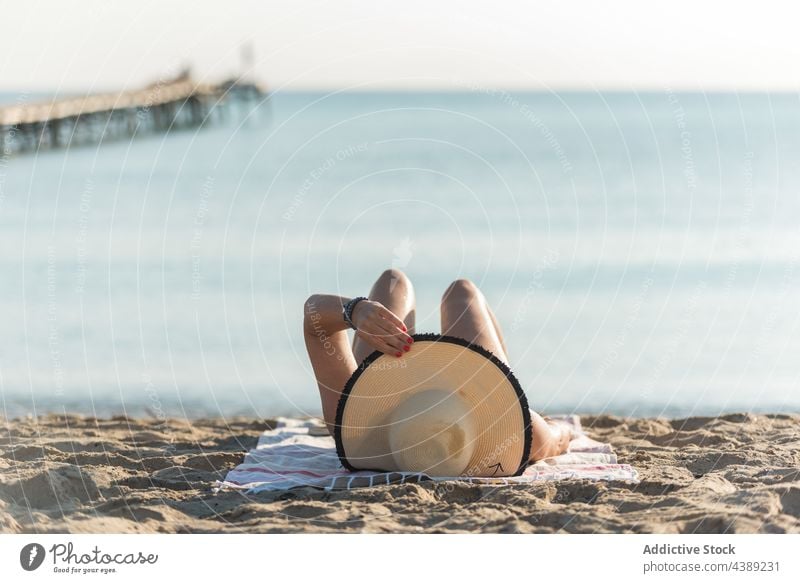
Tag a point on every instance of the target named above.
point(446, 408)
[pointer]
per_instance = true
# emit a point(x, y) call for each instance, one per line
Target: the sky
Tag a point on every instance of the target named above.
point(311, 44)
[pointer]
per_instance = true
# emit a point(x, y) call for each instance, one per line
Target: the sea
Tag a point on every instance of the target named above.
point(640, 250)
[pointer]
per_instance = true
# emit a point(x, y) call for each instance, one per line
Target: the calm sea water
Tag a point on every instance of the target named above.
point(640, 251)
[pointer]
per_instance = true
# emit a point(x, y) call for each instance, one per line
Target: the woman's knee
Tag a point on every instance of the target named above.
point(461, 289)
point(393, 274)
point(394, 280)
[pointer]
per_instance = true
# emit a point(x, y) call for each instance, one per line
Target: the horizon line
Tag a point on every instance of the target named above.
point(477, 89)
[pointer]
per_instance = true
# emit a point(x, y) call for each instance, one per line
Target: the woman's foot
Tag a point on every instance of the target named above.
point(550, 438)
point(562, 435)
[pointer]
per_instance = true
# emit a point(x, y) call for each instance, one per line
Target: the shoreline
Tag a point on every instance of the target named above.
point(58, 474)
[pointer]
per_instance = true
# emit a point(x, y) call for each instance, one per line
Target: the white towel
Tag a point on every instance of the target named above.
point(299, 452)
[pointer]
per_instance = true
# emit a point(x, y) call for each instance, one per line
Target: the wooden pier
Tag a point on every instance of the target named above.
point(177, 103)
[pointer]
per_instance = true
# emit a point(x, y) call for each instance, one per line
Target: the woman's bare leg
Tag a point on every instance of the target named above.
point(498, 330)
point(393, 289)
point(466, 314)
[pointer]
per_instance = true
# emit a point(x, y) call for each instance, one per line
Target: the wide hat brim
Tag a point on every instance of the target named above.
point(500, 446)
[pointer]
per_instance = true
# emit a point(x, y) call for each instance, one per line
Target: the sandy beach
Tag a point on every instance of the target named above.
point(736, 474)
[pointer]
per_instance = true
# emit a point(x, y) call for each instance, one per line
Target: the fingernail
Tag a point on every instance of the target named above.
point(399, 354)
point(404, 328)
point(410, 340)
point(406, 348)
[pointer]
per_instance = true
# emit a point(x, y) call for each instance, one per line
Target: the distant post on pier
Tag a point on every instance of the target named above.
point(247, 54)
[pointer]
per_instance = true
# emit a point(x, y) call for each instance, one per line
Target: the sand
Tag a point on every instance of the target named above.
point(734, 474)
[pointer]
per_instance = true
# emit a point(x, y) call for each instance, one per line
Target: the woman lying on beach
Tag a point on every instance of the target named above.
point(441, 404)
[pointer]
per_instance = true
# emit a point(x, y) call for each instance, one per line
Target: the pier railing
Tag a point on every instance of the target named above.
point(174, 104)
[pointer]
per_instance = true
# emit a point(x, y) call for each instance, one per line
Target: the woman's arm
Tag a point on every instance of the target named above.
point(328, 346)
point(328, 349)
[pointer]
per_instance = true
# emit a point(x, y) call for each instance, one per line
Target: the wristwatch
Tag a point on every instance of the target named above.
point(347, 311)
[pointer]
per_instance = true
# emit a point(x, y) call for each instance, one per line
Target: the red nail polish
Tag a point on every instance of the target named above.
point(406, 348)
point(399, 354)
point(404, 328)
point(410, 340)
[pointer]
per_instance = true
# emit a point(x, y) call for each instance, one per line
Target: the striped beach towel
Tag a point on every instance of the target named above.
point(300, 452)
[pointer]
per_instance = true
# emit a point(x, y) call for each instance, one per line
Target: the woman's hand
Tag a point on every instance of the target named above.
point(380, 328)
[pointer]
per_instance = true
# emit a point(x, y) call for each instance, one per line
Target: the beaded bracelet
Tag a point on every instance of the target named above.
point(347, 311)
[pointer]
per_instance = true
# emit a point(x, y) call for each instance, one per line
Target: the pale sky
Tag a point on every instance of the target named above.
point(314, 44)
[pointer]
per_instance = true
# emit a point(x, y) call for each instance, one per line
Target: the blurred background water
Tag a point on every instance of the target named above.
point(640, 250)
